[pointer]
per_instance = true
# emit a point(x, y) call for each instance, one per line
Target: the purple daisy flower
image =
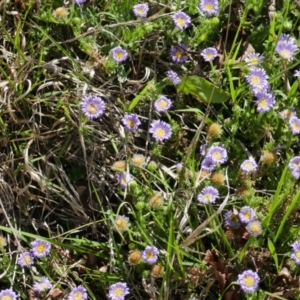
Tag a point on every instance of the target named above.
point(254, 59)
point(209, 7)
point(297, 73)
point(218, 154)
point(296, 174)
point(264, 102)
point(208, 195)
point(78, 292)
point(181, 20)
point(80, 1)
point(131, 122)
point(173, 76)
point(124, 179)
point(8, 294)
point(40, 248)
point(286, 114)
point(247, 214)
point(286, 46)
point(119, 54)
point(254, 228)
point(296, 255)
point(26, 259)
point(294, 164)
point(160, 130)
point(162, 104)
point(141, 10)
point(294, 124)
point(232, 220)
point(118, 291)
point(42, 285)
point(93, 107)
point(150, 255)
point(248, 281)
point(208, 164)
point(258, 79)
point(249, 166)
point(178, 53)
point(209, 54)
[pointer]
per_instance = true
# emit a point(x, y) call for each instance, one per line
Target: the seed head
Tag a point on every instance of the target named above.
point(119, 166)
point(268, 158)
point(217, 178)
point(156, 201)
point(157, 271)
point(214, 130)
point(134, 257)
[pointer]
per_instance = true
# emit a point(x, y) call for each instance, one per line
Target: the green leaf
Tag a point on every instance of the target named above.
point(273, 252)
point(293, 90)
point(202, 90)
point(148, 89)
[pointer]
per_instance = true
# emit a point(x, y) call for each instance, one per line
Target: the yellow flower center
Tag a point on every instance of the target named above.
point(178, 54)
point(141, 10)
point(285, 53)
point(254, 61)
point(150, 254)
point(208, 197)
point(130, 123)
point(181, 21)
point(42, 286)
point(6, 298)
point(41, 248)
point(263, 103)
point(209, 7)
point(163, 104)
point(92, 108)
point(209, 55)
point(119, 54)
point(296, 126)
point(249, 281)
point(78, 296)
point(160, 132)
point(217, 155)
point(27, 259)
point(248, 166)
point(297, 253)
point(254, 227)
point(118, 292)
point(247, 215)
point(255, 80)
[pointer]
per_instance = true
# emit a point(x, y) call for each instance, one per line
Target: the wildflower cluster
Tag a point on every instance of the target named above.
point(38, 249)
point(246, 218)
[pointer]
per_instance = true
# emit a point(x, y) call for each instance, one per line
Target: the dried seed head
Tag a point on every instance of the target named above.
point(268, 158)
point(156, 201)
point(138, 160)
point(203, 174)
point(134, 257)
point(121, 223)
point(119, 166)
point(61, 13)
point(214, 131)
point(243, 191)
point(157, 270)
point(217, 178)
